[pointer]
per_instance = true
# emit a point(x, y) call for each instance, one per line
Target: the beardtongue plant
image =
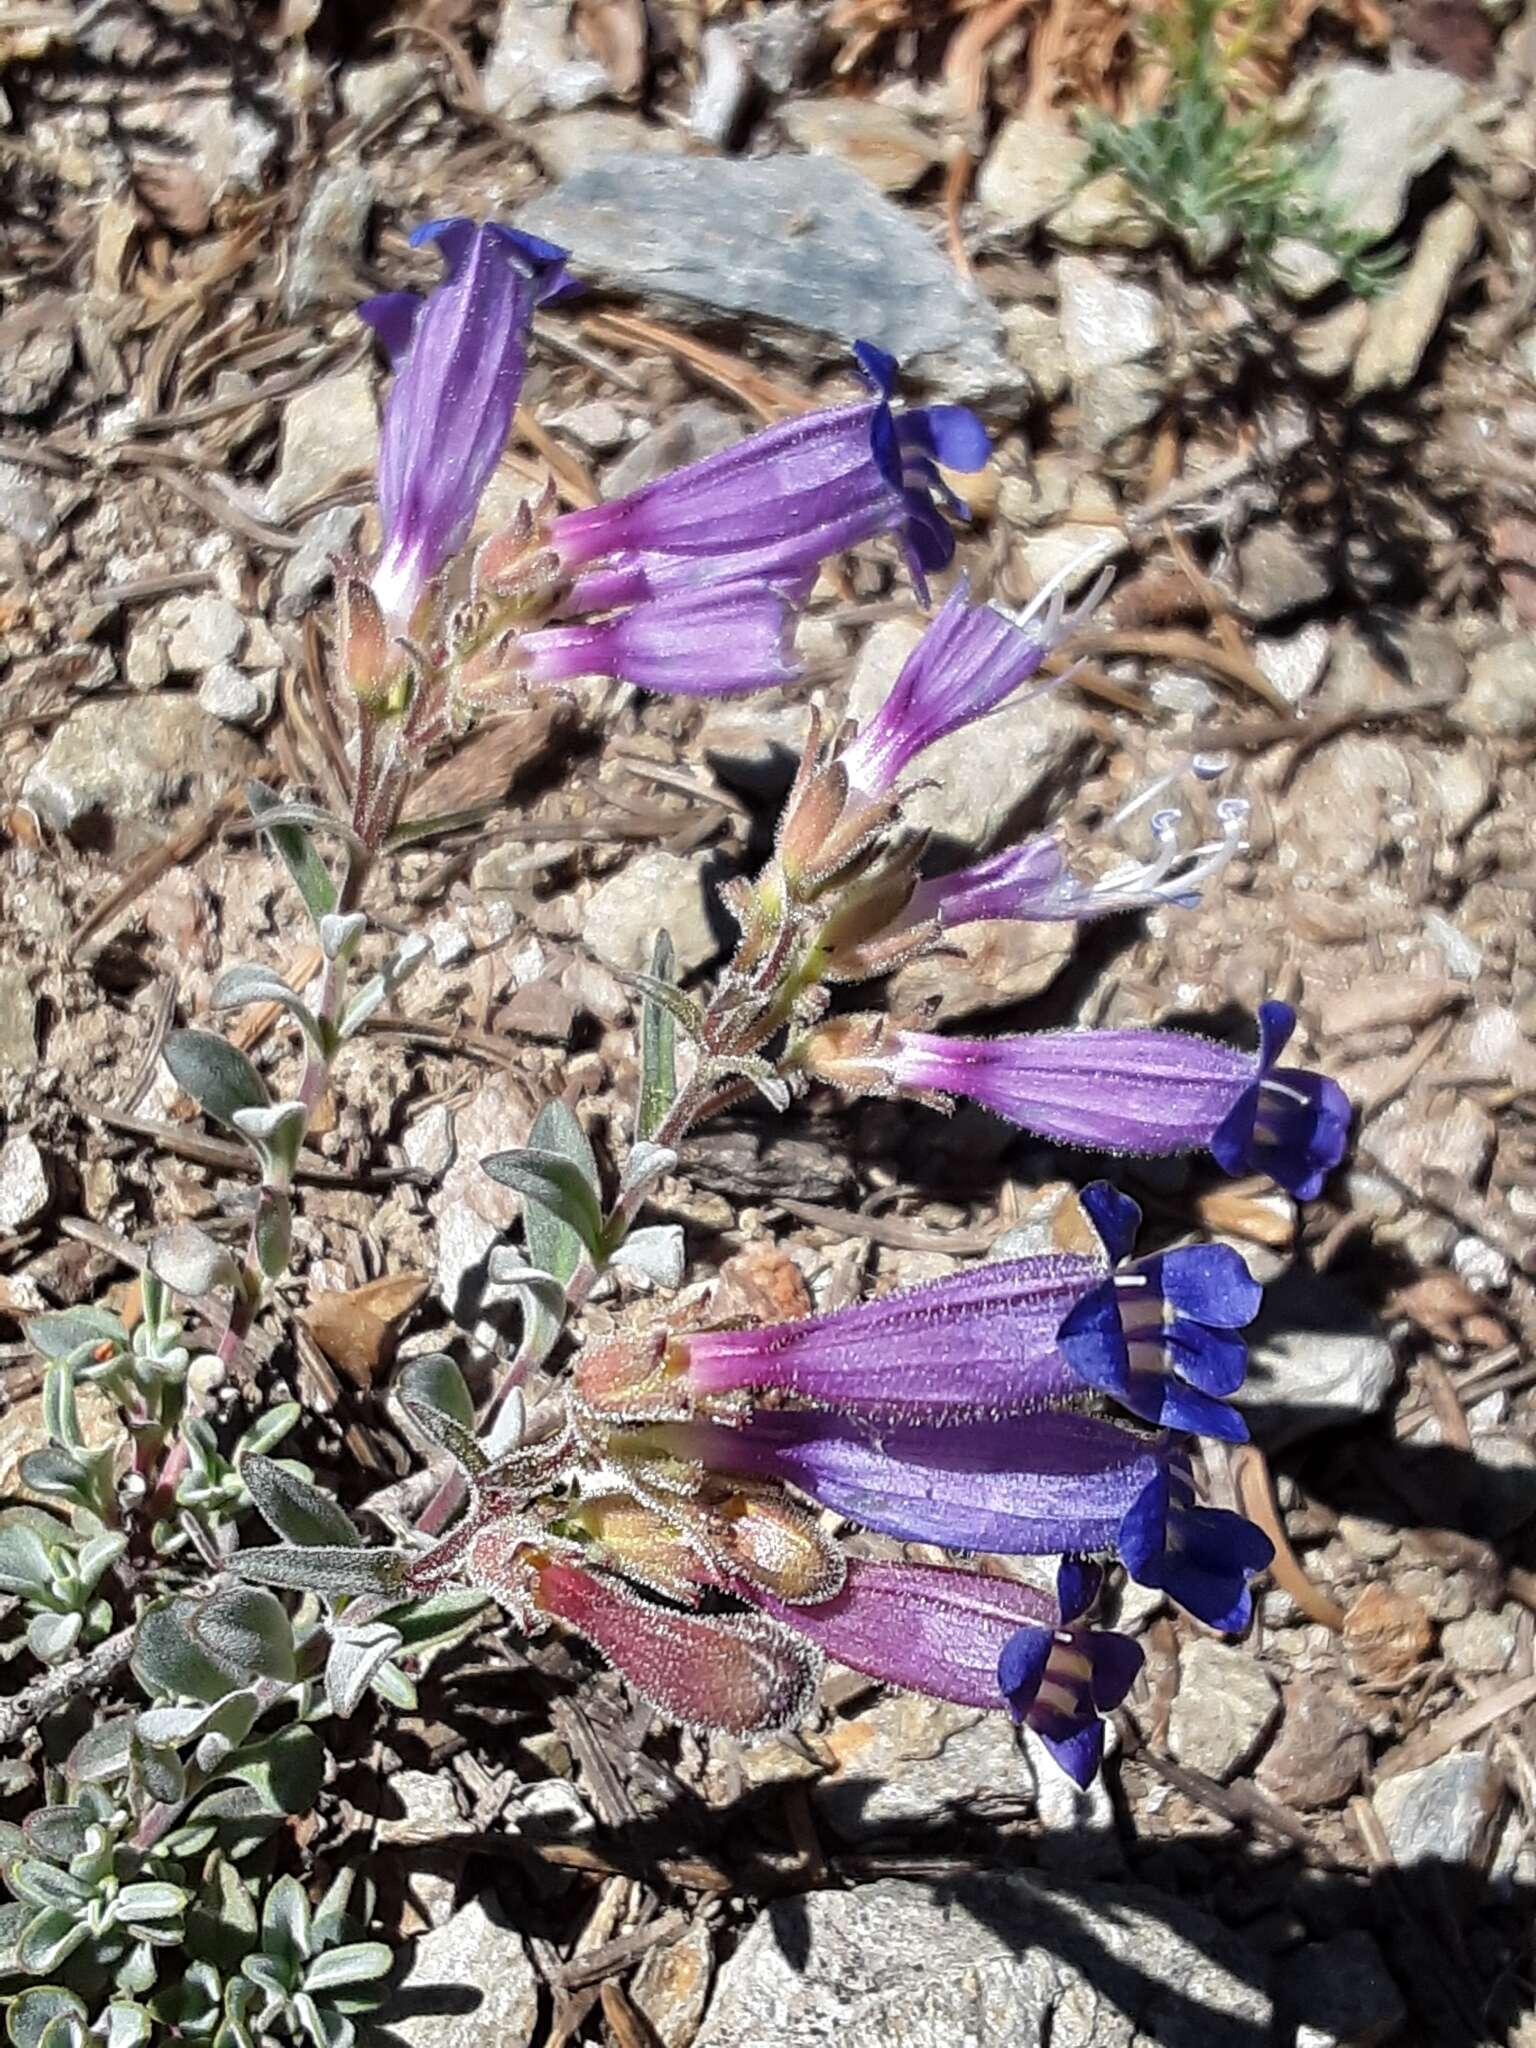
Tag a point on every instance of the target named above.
point(715, 1509)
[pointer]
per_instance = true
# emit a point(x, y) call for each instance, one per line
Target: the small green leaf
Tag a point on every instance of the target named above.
point(295, 1510)
point(52, 1637)
point(56, 1832)
point(101, 1754)
point(190, 1262)
point(61, 1416)
point(237, 988)
point(218, 1077)
point(50, 1939)
point(57, 1473)
point(25, 1566)
point(558, 1186)
point(167, 1661)
point(42, 1885)
point(127, 2025)
point(435, 1381)
point(64, 1333)
point(294, 848)
point(657, 1254)
point(35, 2008)
point(285, 1771)
point(151, 1900)
point(356, 1657)
point(552, 1246)
point(246, 1632)
point(454, 1439)
point(285, 1929)
point(335, 1570)
point(165, 1727)
point(159, 1773)
point(377, 990)
point(658, 1048)
point(360, 1962)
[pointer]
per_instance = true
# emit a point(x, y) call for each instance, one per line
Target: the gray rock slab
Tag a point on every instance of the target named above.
point(653, 892)
point(114, 771)
point(1404, 320)
point(1443, 1813)
point(1316, 1359)
point(468, 1981)
point(1225, 1706)
point(800, 240)
point(1380, 129)
point(988, 1961)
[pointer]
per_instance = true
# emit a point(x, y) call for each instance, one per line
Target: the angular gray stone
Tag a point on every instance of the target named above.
point(1316, 1359)
point(371, 90)
point(907, 1761)
point(24, 1186)
point(1105, 319)
point(884, 144)
point(26, 510)
point(1106, 214)
point(533, 64)
point(1404, 320)
point(1443, 1813)
point(330, 433)
point(18, 1024)
point(671, 1985)
point(123, 767)
point(1035, 344)
point(567, 143)
point(239, 696)
point(1500, 698)
point(37, 347)
point(984, 1962)
point(1279, 574)
point(805, 241)
point(1379, 130)
point(983, 774)
point(469, 1980)
point(328, 534)
point(654, 892)
point(1225, 1706)
point(202, 631)
point(328, 246)
point(1109, 327)
point(1034, 162)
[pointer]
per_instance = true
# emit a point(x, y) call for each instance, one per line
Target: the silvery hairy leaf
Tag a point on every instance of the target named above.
point(190, 1262)
point(356, 1657)
point(294, 1509)
point(218, 1077)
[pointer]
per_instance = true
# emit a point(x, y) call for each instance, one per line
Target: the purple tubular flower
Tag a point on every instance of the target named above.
point(1032, 882)
point(982, 1341)
point(970, 659)
point(1201, 1557)
point(1288, 1122)
point(1020, 1486)
point(1063, 1680)
point(459, 358)
point(1151, 1092)
point(707, 643)
point(925, 1627)
point(1156, 1335)
point(780, 503)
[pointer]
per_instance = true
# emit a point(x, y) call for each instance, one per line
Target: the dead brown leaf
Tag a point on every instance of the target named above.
point(355, 1329)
